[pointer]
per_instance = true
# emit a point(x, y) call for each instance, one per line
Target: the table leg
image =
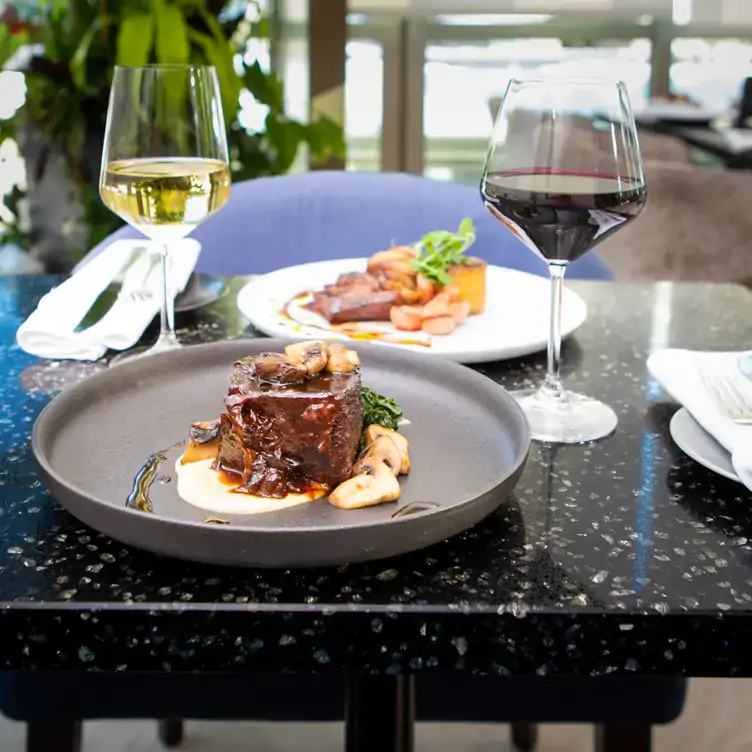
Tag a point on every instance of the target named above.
point(170, 732)
point(524, 736)
point(53, 736)
point(615, 738)
point(380, 714)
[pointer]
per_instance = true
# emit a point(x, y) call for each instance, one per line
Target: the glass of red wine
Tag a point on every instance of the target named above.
point(564, 173)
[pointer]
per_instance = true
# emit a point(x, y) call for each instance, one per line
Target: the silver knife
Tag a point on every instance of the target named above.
point(106, 299)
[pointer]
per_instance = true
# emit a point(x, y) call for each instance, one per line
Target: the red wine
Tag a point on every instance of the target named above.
point(562, 214)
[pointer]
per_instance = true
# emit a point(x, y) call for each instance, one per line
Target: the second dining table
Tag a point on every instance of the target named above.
point(619, 557)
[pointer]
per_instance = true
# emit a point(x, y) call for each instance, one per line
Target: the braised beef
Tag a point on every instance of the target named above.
point(286, 437)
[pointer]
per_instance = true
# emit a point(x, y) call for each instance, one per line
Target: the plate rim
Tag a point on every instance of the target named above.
point(683, 414)
point(464, 356)
point(211, 300)
point(47, 414)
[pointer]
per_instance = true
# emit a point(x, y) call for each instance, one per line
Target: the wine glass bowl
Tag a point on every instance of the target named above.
point(564, 173)
point(165, 163)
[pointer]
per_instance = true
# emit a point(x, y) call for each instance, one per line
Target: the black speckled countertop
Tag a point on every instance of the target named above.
point(623, 556)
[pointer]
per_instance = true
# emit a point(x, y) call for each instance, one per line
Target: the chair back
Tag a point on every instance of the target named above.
point(282, 221)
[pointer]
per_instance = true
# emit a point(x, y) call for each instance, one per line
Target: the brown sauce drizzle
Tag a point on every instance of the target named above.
point(138, 498)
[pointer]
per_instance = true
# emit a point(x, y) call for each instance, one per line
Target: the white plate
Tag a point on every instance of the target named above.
point(696, 442)
point(515, 321)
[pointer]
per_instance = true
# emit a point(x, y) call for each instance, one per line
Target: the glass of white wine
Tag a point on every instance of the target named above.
point(165, 164)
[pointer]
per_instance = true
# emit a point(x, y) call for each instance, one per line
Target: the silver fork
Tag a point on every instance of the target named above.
point(730, 398)
point(138, 294)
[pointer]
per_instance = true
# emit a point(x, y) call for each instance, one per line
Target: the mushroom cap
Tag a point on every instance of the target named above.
point(374, 431)
point(382, 450)
point(313, 355)
point(367, 490)
point(342, 359)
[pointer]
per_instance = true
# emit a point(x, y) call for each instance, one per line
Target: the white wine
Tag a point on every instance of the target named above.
point(165, 198)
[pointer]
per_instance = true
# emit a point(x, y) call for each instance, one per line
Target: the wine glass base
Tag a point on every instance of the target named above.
point(575, 420)
point(55, 376)
point(139, 352)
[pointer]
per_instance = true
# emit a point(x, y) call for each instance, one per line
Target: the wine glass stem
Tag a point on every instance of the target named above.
point(167, 338)
point(552, 388)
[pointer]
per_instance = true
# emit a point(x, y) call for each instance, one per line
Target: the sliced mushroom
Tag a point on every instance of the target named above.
point(341, 359)
point(383, 449)
point(277, 369)
point(374, 431)
point(367, 490)
point(312, 355)
point(203, 442)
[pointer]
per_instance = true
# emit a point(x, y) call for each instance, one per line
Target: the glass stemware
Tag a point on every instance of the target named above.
point(563, 173)
point(165, 164)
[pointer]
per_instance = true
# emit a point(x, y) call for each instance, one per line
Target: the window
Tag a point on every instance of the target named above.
point(364, 98)
point(710, 72)
point(464, 82)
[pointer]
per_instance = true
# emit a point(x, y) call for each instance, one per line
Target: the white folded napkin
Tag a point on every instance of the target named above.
point(678, 372)
point(49, 332)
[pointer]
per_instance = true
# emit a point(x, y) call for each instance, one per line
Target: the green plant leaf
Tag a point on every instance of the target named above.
point(265, 87)
point(77, 64)
point(224, 61)
point(10, 42)
point(172, 34)
point(326, 138)
point(285, 137)
point(261, 29)
point(220, 56)
point(213, 25)
point(135, 40)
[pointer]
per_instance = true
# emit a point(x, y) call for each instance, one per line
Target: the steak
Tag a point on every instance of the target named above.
point(358, 304)
point(288, 437)
point(352, 281)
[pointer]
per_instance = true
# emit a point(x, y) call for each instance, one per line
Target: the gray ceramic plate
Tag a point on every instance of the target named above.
point(697, 443)
point(469, 442)
point(201, 290)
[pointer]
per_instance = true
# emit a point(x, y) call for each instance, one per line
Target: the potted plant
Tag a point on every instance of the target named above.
point(60, 128)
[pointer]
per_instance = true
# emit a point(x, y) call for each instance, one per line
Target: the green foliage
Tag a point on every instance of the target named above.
point(379, 410)
point(12, 231)
point(10, 42)
point(68, 84)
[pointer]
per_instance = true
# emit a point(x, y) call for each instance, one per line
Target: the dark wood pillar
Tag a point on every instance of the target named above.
point(327, 37)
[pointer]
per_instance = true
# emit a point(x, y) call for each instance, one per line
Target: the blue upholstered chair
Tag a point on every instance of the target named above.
point(282, 221)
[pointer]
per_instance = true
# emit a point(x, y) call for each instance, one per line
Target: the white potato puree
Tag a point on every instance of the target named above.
point(202, 487)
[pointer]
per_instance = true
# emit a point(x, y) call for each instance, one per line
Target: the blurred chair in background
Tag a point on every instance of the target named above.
point(295, 219)
point(696, 227)
point(745, 105)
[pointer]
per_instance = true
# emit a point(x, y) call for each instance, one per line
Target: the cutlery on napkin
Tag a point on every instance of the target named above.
point(50, 331)
point(679, 372)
